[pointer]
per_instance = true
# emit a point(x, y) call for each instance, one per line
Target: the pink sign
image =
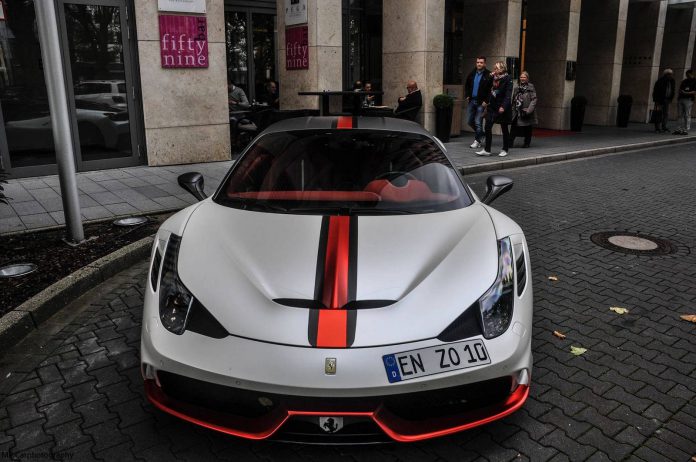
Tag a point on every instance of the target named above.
point(183, 41)
point(296, 48)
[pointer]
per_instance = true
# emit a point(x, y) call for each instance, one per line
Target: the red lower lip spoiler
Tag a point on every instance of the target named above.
point(394, 426)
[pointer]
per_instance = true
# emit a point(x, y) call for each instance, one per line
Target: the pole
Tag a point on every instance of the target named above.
point(60, 118)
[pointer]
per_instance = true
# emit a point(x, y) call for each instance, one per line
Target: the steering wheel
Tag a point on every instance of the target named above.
point(396, 175)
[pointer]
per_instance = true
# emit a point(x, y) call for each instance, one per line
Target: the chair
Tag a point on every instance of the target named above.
point(408, 114)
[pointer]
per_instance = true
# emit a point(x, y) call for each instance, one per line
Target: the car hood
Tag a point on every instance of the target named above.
point(429, 268)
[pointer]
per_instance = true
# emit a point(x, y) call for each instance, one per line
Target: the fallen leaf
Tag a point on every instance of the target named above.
point(559, 335)
point(577, 351)
point(553, 278)
point(690, 318)
point(618, 309)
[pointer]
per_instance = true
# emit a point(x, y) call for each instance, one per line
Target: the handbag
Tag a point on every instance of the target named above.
point(656, 116)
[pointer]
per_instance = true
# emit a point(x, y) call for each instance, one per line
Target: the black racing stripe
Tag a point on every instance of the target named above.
point(334, 125)
point(352, 277)
point(355, 122)
point(313, 324)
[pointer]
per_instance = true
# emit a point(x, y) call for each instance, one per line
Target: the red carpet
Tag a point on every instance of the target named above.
point(546, 133)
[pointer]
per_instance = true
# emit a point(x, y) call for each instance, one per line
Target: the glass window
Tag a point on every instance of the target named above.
point(23, 94)
point(95, 46)
point(359, 172)
point(454, 42)
point(237, 52)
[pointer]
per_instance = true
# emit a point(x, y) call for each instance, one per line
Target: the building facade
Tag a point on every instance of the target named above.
point(140, 93)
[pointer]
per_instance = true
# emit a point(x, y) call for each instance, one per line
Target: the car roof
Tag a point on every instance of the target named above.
point(360, 123)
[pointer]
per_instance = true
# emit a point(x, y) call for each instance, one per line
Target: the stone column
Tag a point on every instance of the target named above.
point(678, 45)
point(185, 110)
point(491, 29)
point(552, 40)
point(645, 27)
point(600, 57)
point(413, 48)
point(325, 58)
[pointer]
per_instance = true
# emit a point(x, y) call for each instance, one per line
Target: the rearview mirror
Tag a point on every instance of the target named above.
point(496, 186)
point(193, 183)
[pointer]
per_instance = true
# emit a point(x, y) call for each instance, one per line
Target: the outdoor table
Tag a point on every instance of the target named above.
point(324, 97)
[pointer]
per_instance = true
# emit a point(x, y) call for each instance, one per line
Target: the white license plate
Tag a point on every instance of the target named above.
point(435, 360)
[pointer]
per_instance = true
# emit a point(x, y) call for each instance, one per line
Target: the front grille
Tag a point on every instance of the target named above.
point(356, 430)
point(409, 406)
point(446, 402)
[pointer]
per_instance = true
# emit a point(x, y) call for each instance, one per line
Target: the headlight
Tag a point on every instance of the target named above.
point(497, 303)
point(175, 300)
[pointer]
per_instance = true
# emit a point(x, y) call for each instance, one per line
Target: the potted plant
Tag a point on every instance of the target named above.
point(623, 112)
point(443, 116)
point(577, 113)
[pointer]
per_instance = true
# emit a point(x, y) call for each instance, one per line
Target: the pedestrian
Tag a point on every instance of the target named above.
point(499, 109)
point(663, 94)
point(685, 101)
point(524, 117)
point(477, 91)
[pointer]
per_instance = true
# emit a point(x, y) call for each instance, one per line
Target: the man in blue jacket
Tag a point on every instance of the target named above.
point(477, 91)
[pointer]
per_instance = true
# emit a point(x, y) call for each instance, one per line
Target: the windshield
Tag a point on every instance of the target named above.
point(344, 172)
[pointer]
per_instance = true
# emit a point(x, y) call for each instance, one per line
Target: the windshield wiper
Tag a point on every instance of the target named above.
point(251, 204)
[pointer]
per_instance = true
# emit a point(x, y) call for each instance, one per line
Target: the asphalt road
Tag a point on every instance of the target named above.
point(74, 388)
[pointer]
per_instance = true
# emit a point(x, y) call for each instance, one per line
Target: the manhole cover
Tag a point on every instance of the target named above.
point(16, 270)
point(632, 243)
point(130, 221)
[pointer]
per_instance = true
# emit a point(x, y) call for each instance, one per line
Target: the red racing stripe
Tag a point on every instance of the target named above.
point(332, 325)
point(345, 122)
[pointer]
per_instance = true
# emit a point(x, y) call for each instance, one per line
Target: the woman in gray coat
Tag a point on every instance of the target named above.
point(524, 102)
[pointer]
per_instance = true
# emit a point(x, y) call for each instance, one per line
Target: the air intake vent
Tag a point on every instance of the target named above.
point(521, 271)
point(154, 273)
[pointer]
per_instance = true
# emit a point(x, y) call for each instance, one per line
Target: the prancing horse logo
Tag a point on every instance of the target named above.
point(330, 366)
point(331, 424)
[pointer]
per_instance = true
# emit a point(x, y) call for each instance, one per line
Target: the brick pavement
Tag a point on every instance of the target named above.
point(74, 385)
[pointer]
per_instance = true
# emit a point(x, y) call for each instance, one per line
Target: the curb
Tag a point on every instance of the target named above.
point(19, 322)
point(572, 155)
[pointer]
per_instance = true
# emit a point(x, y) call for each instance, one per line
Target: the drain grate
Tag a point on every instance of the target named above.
point(632, 243)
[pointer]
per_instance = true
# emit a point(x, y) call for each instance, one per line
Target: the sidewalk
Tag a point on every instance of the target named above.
point(35, 203)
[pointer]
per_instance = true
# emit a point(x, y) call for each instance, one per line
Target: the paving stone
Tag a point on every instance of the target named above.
point(59, 413)
point(105, 435)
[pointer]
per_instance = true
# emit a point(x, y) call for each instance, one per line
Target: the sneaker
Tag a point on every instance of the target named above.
point(483, 152)
point(503, 153)
point(475, 145)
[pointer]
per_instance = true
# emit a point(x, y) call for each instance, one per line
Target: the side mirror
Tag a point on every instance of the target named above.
point(193, 183)
point(496, 186)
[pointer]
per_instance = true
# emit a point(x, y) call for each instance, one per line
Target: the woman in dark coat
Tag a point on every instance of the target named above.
point(524, 102)
point(499, 109)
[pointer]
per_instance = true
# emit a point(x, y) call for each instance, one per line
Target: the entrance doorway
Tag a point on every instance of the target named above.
point(97, 45)
point(250, 37)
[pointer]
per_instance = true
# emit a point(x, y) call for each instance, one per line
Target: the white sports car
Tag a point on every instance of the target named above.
point(343, 284)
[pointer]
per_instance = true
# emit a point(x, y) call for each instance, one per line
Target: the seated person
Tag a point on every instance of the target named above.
point(270, 95)
point(368, 100)
point(236, 98)
point(409, 105)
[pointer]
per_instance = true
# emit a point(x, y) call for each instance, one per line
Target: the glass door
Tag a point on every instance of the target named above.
point(101, 88)
point(251, 56)
point(26, 135)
